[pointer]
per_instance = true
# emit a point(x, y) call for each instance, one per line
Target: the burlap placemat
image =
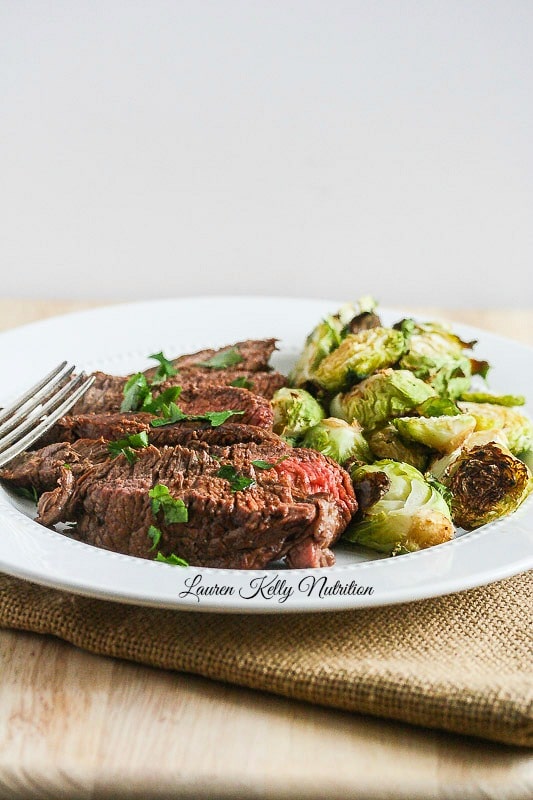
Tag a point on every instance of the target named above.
point(462, 663)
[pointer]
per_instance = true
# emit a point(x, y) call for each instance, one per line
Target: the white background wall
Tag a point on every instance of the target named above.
point(284, 147)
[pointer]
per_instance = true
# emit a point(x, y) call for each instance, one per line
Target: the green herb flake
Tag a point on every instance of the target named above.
point(172, 559)
point(237, 482)
point(28, 494)
point(223, 360)
point(160, 405)
point(175, 414)
point(165, 370)
point(259, 464)
point(155, 535)
point(174, 509)
point(128, 445)
point(136, 393)
point(242, 383)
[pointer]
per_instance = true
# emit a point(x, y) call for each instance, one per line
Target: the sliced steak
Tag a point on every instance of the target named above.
point(40, 469)
point(254, 353)
point(301, 504)
point(106, 394)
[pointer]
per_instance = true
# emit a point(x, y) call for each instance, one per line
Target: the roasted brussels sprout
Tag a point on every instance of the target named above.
point(486, 482)
point(399, 511)
point(295, 411)
point(436, 355)
point(358, 356)
point(389, 393)
point(517, 428)
point(338, 440)
point(325, 337)
point(444, 433)
point(386, 442)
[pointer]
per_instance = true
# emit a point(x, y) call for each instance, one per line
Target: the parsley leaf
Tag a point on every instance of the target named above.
point(242, 383)
point(175, 414)
point(28, 494)
point(161, 403)
point(165, 370)
point(174, 509)
point(172, 559)
point(136, 393)
point(126, 446)
point(237, 482)
point(155, 535)
point(223, 360)
point(260, 464)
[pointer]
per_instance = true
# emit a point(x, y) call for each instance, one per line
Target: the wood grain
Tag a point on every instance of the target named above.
point(74, 725)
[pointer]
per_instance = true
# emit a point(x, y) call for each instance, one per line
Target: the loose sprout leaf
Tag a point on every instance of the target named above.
point(159, 405)
point(223, 360)
point(438, 407)
point(497, 399)
point(237, 482)
point(172, 559)
point(128, 445)
point(155, 535)
point(479, 367)
point(242, 383)
point(174, 509)
point(136, 393)
point(442, 490)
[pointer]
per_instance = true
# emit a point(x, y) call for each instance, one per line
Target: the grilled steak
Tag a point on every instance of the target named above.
point(106, 394)
point(254, 354)
point(301, 504)
point(40, 469)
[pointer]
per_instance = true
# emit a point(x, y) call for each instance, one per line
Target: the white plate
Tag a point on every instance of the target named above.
point(117, 339)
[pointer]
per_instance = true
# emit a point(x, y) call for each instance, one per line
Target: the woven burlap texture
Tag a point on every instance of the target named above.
point(461, 663)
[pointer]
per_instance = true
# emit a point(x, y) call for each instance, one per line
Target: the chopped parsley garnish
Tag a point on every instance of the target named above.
point(222, 360)
point(29, 494)
point(237, 482)
point(155, 535)
point(165, 369)
point(174, 509)
point(242, 383)
point(173, 413)
point(260, 464)
point(172, 559)
point(128, 445)
point(136, 393)
point(160, 404)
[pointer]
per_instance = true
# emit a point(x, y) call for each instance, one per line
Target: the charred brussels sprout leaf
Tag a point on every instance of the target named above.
point(486, 482)
point(358, 356)
point(516, 427)
point(439, 433)
point(389, 393)
point(400, 512)
point(386, 442)
point(295, 411)
point(338, 440)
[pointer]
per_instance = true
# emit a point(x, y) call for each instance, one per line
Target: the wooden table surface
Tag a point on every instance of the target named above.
point(74, 725)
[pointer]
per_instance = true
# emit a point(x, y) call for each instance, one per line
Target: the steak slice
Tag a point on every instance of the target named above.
point(254, 353)
point(40, 469)
point(106, 394)
point(302, 503)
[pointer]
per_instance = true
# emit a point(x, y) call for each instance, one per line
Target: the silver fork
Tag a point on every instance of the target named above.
point(40, 407)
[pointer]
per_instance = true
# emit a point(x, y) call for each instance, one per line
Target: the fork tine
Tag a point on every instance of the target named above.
point(25, 410)
point(45, 424)
point(25, 423)
point(6, 413)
